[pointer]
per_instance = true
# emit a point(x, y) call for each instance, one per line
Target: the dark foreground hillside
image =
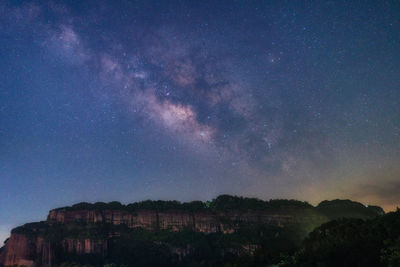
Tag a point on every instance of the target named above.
point(228, 231)
point(353, 242)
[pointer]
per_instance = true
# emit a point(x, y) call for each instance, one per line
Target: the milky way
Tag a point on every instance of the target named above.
point(131, 100)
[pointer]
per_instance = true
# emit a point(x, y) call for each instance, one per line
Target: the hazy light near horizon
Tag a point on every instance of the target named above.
point(127, 101)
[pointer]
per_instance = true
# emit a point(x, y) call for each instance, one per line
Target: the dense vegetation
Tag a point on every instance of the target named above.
point(342, 242)
point(139, 247)
point(366, 241)
point(353, 242)
point(221, 203)
point(347, 208)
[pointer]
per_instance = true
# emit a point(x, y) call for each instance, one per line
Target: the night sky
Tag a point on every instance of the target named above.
point(186, 100)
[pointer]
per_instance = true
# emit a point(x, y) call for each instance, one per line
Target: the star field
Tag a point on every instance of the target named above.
point(185, 100)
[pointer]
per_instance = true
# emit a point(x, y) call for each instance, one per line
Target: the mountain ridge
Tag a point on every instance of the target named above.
point(86, 229)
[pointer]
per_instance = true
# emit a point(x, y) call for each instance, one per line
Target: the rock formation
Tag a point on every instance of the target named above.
point(40, 244)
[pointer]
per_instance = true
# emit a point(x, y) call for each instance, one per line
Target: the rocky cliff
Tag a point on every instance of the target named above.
point(175, 220)
point(91, 229)
point(22, 251)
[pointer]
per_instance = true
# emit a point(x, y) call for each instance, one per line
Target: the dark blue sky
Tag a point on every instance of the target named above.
point(134, 100)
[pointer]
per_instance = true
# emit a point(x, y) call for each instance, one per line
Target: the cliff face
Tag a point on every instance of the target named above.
point(24, 251)
point(18, 250)
point(84, 246)
point(206, 222)
point(21, 249)
point(75, 231)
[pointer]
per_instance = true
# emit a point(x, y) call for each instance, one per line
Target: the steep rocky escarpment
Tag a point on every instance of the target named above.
point(44, 243)
point(101, 232)
point(19, 250)
point(175, 220)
